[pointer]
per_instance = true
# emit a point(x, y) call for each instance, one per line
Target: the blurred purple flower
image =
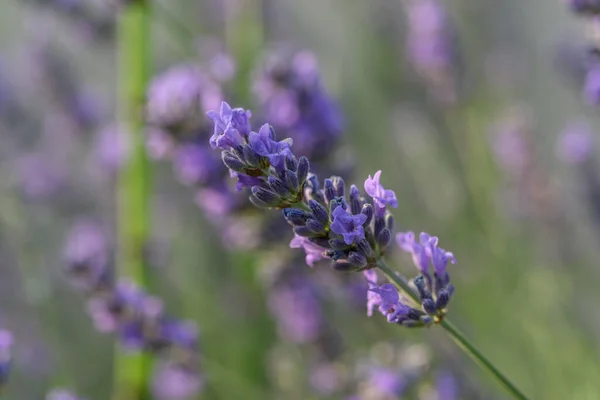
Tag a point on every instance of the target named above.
point(6, 345)
point(111, 148)
point(446, 387)
point(195, 164)
point(294, 101)
point(178, 99)
point(62, 394)
point(175, 382)
point(386, 382)
point(38, 176)
point(296, 310)
point(87, 256)
point(575, 144)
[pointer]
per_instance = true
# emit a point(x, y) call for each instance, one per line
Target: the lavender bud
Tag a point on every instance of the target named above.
point(355, 203)
point(389, 222)
point(278, 186)
point(232, 162)
point(443, 299)
point(251, 157)
point(384, 237)
point(379, 225)
point(450, 289)
point(291, 163)
point(429, 306)
point(319, 212)
point(295, 216)
point(407, 323)
point(357, 259)
point(258, 203)
point(365, 247)
point(426, 319)
point(339, 186)
point(265, 196)
point(312, 180)
point(337, 244)
point(303, 169)
point(303, 231)
point(367, 209)
point(421, 285)
point(328, 190)
point(415, 314)
point(292, 179)
point(315, 226)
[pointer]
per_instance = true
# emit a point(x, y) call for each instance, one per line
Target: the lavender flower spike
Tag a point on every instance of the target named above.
point(435, 290)
point(381, 196)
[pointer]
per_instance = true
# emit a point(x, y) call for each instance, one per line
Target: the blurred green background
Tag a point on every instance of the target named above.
point(527, 276)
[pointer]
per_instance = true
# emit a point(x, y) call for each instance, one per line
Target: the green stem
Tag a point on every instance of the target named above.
point(133, 206)
point(456, 335)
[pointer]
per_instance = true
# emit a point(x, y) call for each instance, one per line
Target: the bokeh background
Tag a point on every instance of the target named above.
point(475, 152)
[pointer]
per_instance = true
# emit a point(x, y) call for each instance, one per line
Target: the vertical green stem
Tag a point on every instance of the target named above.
point(457, 336)
point(133, 206)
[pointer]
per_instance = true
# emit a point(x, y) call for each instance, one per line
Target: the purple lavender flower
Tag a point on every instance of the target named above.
point(6, 345)
point(177, 99)
point(575, 145)
point(434, 291)
point(313, 251)
point(175, 382)
point(231, 127)
point(111, 148)
point(431, 46)
point(294, 101)
point(297, 312)
point(194, 164)
point(38, 176)
point(446, 387)
point(62, 394)
point(592, 85)
point(381, 196)
point(388, 302)
point(348, 225)
point(387, 382)
point(87, 257)
point(264, 144)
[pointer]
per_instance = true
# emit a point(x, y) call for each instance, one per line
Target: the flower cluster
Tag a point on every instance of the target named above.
point(292, 98)
point(352, 231)
point(122, 308)
point(431, 47)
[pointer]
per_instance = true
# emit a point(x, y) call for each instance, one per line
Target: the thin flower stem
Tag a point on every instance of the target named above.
point(132, 370)
point(402, 283)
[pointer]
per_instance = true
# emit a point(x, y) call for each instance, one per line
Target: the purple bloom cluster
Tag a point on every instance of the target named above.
point(328, 223)
point(122, 308)
point(431, 47)
point(576, 143)
point(292, 99)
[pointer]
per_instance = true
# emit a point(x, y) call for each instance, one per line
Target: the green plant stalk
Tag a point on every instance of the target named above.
point(133, 205)
point(458, 337)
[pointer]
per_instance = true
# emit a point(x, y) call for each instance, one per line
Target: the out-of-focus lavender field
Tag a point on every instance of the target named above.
point(132, 269)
